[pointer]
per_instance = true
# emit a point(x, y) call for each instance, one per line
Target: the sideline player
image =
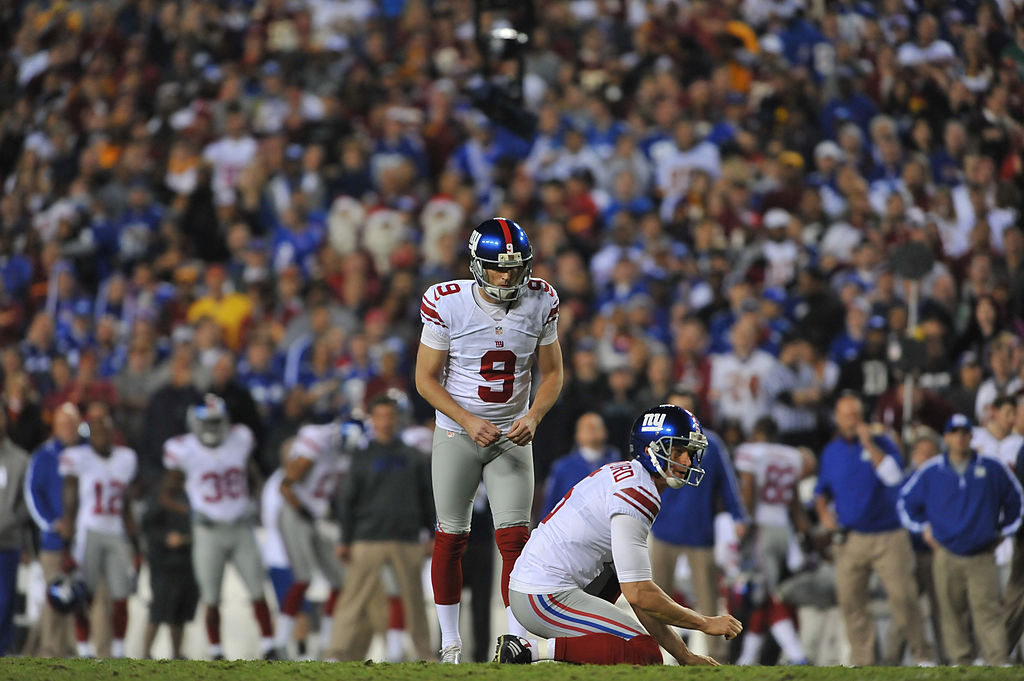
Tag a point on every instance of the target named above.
point(769, 474)
point(474, 367)
point(316, 463)
point(98, 478)
point(212, 464)
point(607, 517)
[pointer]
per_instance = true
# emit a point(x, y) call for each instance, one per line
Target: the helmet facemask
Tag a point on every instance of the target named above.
point(209, 423)
point(660, 453)
point(517, 283)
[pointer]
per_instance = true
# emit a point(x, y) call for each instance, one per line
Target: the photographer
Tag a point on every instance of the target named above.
point(861, 473)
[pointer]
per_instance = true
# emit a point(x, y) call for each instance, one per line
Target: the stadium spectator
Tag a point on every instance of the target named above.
point(44, 496)
point(13, 464)
point(964, 567)
point(856, 501)
point(374, 536)
point(590, 453)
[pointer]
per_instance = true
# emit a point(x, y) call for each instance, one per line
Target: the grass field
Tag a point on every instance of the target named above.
point(24, 669)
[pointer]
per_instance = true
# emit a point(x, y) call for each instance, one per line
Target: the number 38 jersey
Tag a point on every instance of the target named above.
point(489, 360)
point(776, 469)
point(216, 482)
point(102, 483)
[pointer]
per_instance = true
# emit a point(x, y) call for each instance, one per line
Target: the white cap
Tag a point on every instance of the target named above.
point(776, 218)
point(829, 149)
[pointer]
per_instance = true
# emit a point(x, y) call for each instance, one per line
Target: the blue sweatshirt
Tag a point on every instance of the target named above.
point(687, 516)
point(567, 471)
point(968, 512)
point(43, 488)
point(864, 502)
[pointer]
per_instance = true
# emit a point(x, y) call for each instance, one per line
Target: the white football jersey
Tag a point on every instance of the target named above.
point(1004, 450)
point(776, 469)
point(740, 385)
point(489, 362)
point(571, 545)
point(216, 479)
point(229, 157)
point(321, 444)
point(101, 486)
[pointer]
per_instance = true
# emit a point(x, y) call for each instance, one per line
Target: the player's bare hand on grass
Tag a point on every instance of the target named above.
point(723, 625)
point(522, 430)
point(481, 431)
point(695, 660)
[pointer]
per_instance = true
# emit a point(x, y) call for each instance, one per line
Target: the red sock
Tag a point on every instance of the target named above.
point(332, 598)
point(213, 624)
point(779, 611)
point(293, 599)
point(396, 614)
point(262, 612)
point(607, 649)
point(119, 618)
point(759, 620)
point(81, 627)
point(510, 541)
point(446, 567)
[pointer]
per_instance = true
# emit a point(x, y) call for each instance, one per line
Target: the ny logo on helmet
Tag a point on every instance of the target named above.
point(653, 421)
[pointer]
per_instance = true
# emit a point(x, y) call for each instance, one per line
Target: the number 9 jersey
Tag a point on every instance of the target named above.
point(490, 347)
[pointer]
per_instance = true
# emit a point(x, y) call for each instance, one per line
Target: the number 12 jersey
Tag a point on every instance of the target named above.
point(489, 357)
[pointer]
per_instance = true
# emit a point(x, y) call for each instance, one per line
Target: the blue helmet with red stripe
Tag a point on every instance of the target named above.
point(501, 244)
point(658, 431)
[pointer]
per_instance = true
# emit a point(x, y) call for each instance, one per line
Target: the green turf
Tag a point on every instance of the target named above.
point(23, 669)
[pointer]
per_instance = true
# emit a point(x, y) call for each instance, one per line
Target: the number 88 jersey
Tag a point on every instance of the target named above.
point(489, 360)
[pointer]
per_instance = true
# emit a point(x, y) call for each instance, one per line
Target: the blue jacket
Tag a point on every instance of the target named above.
point(863, 502)
point(43, 488)
point(687, 516)
point(567, 470)
point(968, 512)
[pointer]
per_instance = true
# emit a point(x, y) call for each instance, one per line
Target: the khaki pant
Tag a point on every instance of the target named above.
point(362, 583)
point(56, 632)
point(704, 574)
point(1015, 596)
point(890, 555)
point(967, 588)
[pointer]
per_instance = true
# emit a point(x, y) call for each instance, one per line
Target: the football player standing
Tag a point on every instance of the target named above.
point(212, 463)
point(474, 366)
point(98, 479)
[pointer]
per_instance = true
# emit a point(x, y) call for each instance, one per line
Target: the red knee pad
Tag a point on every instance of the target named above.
point(510, 541)
point(607, 649)
point(446, 567)
point(643, 650)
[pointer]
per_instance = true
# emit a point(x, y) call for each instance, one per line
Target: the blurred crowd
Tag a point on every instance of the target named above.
point(248, 198)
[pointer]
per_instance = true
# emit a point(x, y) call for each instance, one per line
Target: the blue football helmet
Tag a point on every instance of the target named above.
point(499, 243)
point(660, 429)
point(67, 594)
point(209, 421)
